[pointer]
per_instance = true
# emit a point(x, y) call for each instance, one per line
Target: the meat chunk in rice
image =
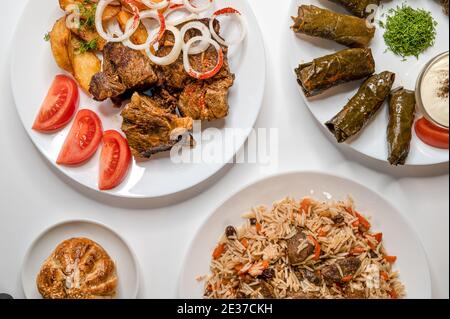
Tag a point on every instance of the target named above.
point(299, 248)
point(348, 266)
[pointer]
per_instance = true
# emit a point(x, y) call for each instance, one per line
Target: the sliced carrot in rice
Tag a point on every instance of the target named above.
point(393, 294)
point(218, 252)
point(316, 247)
point(357, 250)
point(322, 232)
point(390, 259)
point(258, 227)
point(305, 204)
point(347, 278)
point(238, 267)
point(244, 242)
point(350, 210)
point(378, 237)
point(371, 244)
point(384, 275)
point(362, 221)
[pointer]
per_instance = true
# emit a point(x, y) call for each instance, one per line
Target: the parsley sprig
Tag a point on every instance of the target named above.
point(409, 32)
point(87, 14)
point(86, 46)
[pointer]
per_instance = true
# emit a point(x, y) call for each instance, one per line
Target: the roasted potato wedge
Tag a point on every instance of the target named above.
point(89, 35)
point(110, 12)
point(138, 37)
point(60, 38)
point(85, 64)
point(64, 3)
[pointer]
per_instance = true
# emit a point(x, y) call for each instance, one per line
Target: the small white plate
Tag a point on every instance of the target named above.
point(399, 238)
point(372, 140)
point(115, 246)
point(33, 69)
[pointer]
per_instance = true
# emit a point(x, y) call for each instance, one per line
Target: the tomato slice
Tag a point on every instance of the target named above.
point(59, 105)
point(83, 139)
point(431, 134)
point(115, 160)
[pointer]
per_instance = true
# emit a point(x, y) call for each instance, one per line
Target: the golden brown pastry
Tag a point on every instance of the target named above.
point(78, 269)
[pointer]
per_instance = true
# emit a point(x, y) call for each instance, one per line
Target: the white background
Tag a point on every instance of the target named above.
point(34, 196)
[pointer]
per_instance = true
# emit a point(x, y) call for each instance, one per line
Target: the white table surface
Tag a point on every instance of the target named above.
point(34, 196)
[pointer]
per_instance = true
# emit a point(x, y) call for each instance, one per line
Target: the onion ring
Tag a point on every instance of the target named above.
point(102, 4)
point(156, 5)
point(173, 55)
point(114, 29)
point(202, 46)
point(190, 7)
point(176, 7)
point(162, 28)
point(228, 11)
point(73, 16)
point(208, 74)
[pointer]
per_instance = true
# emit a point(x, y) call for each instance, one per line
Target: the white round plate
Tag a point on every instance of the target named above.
point(115, 246)
point(372, 140)
point(33, 69)
point(399, 238)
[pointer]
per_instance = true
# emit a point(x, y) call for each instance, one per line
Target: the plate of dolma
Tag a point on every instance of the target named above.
point(358, 91)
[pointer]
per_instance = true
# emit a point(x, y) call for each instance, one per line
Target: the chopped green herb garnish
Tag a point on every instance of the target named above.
point(87, 14)
point(47, 36)
point(409, 32)
point(86, 46)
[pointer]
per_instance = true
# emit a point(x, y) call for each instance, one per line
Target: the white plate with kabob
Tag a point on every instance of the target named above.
point(358, 65)
point(119, 84)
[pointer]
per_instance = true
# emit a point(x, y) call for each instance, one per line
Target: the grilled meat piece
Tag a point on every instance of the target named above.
point(106, 85)
point(203, 100)
point(199, 99)
point(164, 99)
point(349, 266)
point(123, 69)
point(295, 254)
point(174, 75)
point(151, 127)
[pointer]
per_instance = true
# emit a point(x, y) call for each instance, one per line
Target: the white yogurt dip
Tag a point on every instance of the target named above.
point(434, 91)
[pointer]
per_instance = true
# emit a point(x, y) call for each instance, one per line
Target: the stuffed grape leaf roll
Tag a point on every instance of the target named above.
point(344, 29)
point(359, 8)
point(362, 106)
point(334, 69)
point(402, 109)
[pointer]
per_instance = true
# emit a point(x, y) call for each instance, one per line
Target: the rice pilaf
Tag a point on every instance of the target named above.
point(301, 250)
